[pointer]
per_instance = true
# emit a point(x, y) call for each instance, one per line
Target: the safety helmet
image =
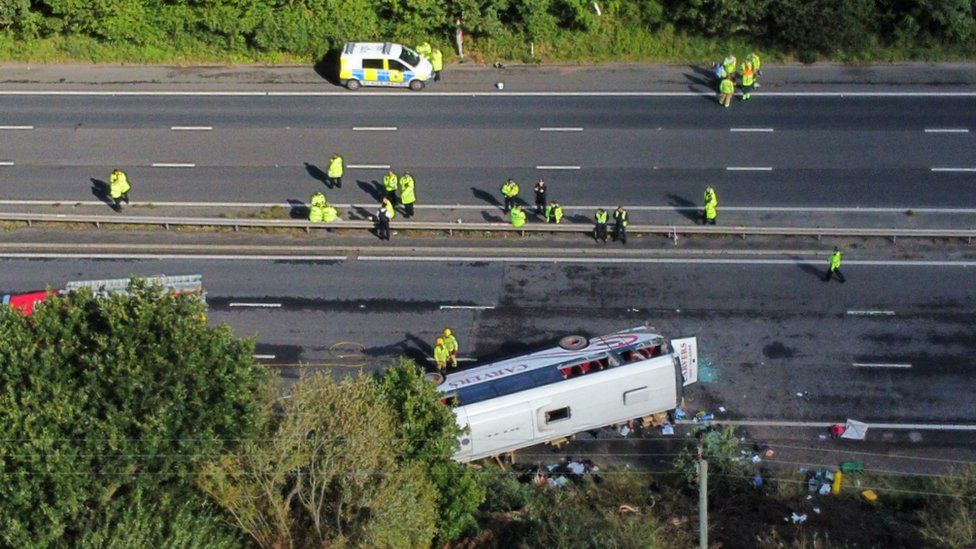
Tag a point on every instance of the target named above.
point(447, 332)
point(440, 341)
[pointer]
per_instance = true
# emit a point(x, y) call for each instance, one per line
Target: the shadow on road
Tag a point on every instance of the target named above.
point(808, 268)
point(490, 218)
point(100, 190)
point(298, 209)
point(328, 66)
point(317, 174)
point(485, 196)
point(359, 213)
point(372, 188)
point(688, 208)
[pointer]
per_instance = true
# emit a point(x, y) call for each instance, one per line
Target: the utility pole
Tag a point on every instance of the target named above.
point(702, 498)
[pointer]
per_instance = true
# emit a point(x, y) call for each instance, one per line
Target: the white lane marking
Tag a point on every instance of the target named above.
point(661, 260)
point(891, 426)
point(871, 313)
point(557, 167)
point(16, 127)
point(173, 165)
point(946, 130)
point(264, 357)
point(6, 163)
point(880, 365)
point(476, 207)
point(191, 128)
point(407, 95)
point(374, 128)
point(556, 129)
point(369, 166)
point(898, 210)
point(477, 307)
point(749, 168)
point(954, 169)
point(265, 305)
point(203, 257)
point(760, 130)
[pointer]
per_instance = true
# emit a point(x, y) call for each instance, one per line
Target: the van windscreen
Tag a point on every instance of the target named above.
point(410, 57)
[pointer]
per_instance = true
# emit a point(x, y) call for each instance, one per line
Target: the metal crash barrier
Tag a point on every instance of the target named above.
point(670, 231)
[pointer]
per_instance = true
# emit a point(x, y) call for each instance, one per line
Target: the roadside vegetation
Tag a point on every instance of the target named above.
point(130, 421)
point(303, 31)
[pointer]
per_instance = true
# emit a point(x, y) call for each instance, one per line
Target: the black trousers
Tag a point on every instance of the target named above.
point(707, 221)
point(383, 229)
point(600, 232)
point(335, 182)
point(620, 233)
point(392, 196)
point(540, 203)
point(509, 202)
point(408, 209)
point(832, 272)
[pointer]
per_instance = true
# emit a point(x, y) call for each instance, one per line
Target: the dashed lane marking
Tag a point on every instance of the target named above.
point(555, 129)
point(191, 128)
point(264, 357)
point(476, 307)
point(16, 127)
point(6, 163)
point(173, 165)
point(749, 168)
point(946, 130)
point(880, 365)
point(751, 130)
point(954, 169)
point(374, 128)
point(871, 313)
point(557, 167)
point(368, 166)
point(259, 305)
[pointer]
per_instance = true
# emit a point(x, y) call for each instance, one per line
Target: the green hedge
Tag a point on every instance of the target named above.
point(232, 30)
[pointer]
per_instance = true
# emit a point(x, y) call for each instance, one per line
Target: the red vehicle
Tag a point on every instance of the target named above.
point(176, 284)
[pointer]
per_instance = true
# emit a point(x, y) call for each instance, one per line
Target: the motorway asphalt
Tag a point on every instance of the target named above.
point(767, 329)
point(905, 152)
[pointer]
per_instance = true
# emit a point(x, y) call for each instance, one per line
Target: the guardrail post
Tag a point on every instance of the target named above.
point(98, 225)
point(166, 226)
point(308, 229)
point(236, 228)
point(31, 224)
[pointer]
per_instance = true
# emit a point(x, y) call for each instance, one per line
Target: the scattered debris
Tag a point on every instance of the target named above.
point(500, 85)
point(757, 481)
point(667, 429)
point(853, 466)
point(628, 510)
point(855, 430)
point(869, 496)
point(798, 519)
point(679, 413)
point(624, 431)
point(703, 417)
point(756, 459)
point(721, 409)
point(836, 430)
point(816, 510)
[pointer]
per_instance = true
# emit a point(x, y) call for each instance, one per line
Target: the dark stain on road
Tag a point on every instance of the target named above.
point(777, 350)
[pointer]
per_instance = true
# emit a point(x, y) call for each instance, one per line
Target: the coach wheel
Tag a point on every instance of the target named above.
point(416, 85)
point(434, 377)
point(573, 342)
point(353, 84)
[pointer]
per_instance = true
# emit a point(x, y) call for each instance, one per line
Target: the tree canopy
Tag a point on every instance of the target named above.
point(108, 405)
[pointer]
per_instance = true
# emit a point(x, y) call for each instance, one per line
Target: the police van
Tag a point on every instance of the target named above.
point(383, 64)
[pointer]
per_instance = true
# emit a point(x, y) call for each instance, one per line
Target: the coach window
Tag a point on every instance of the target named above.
point(558, 414)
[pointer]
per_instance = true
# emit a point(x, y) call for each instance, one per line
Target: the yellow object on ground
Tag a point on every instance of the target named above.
point(869, 495)
point(835, 487)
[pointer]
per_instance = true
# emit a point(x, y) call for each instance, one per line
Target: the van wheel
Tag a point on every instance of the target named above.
point(353, 84)
point(416, 85)
point(574, 342)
